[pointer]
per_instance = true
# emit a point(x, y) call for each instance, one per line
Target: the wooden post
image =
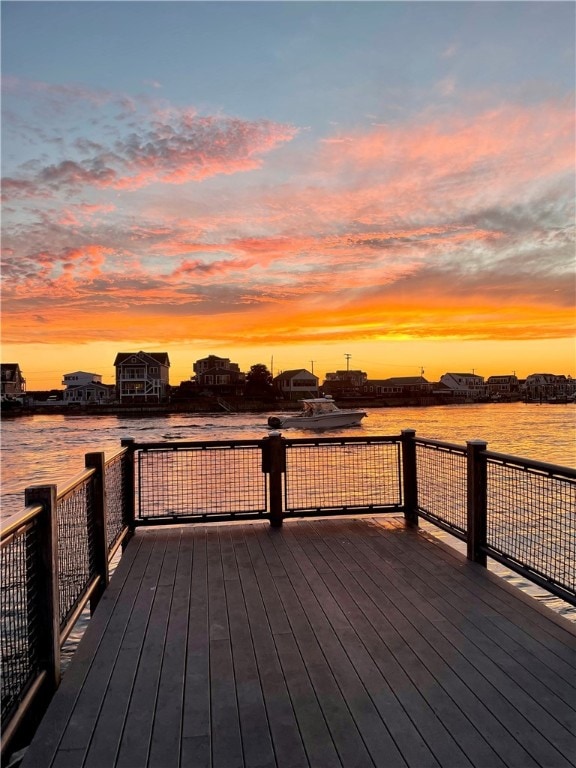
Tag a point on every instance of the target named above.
point(410, 477)
point(129, 500)
point(477, 505)
point(99, 543)
point(274, 464)
point(46, 580)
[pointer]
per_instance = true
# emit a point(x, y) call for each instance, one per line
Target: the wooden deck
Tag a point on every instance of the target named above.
point(336, 642)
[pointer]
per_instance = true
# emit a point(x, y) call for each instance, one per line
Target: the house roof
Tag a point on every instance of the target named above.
point(407, 380)
point(81, 373)
point(159, 357)
point(286, 375)
point(468, 375)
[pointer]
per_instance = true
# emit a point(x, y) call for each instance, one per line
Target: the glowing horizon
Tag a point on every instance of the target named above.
point(421, 220)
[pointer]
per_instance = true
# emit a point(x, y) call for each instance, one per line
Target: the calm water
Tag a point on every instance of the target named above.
point(50, 449)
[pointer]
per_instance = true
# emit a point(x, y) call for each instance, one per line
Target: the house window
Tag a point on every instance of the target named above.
point(134, 388)
point(134, 373)
point(153, 369)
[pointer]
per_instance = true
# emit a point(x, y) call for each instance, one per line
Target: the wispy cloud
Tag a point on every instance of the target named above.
point(452, 226)
point(163, 145)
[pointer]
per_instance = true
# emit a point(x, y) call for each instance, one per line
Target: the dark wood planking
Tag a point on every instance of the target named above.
point(136, 738)
point(525, 661)
point(360, 609)
point(319, 644)
point(503, 702)
point(134, 612)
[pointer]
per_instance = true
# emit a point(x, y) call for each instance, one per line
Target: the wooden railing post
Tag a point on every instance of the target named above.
point(46, 580)
point(129, 489)
point(477, 500)
point(99, 543)
point(410, 477)
point(274, 464)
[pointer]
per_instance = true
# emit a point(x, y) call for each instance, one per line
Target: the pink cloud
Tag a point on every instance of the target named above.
point(167, 146)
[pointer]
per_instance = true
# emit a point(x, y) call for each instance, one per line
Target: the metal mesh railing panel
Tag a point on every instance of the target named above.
point(115, 479)
point(442, 489)
point(207, 481)
point(342, 475)
point(75, 558)
point(20, 627)
point(531, 518)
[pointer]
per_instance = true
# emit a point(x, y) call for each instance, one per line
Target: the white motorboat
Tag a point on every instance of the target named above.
point(318, 413)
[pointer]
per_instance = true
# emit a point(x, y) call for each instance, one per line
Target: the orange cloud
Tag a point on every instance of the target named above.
point(458, 227)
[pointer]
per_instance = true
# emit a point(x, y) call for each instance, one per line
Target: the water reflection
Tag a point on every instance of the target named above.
point(50, 449)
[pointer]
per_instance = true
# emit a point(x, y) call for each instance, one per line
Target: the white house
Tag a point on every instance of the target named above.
point(296, 384)
point(469, 385)
point(79, 378)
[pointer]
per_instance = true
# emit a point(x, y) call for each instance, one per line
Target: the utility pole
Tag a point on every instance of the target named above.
point(312, 364)
point(347, 362)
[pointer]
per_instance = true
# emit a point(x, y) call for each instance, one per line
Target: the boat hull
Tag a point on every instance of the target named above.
point(323, 421)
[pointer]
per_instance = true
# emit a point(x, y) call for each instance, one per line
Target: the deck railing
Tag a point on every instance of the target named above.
point(55, 556)
point(54, 561)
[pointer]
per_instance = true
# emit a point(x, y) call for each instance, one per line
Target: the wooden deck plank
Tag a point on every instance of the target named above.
point(335, 642)
point(360, 610)
point(225, 725)
point(530, 700)
point(289, 749)
point(524, 666)
point(374, 730)
point(136, 738)
point(470, 719)
point(503, 603)
point(196, 716)
point(315, 568)
point(254, 727)
point(134, 611)
point(335, 710)
point(167, 730)
point(500, 696)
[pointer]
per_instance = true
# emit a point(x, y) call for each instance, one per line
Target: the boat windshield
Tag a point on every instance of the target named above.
point(314, 407)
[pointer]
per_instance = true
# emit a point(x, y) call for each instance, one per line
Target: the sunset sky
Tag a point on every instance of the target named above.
point(288, 182)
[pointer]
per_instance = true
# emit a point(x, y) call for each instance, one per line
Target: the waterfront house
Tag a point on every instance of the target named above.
point(12, 382)
point(83, 388)
point(463, 385)
point(344, 383)
point(397, 386)
point(296, 384)
point(78, 378)
point(218, 376)
point(503, 387)
point(85, 394)
point(548, 386)
point(142, 377)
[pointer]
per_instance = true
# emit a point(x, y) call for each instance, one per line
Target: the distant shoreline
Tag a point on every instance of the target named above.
point(210, 407)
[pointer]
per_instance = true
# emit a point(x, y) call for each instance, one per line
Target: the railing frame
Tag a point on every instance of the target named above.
point(477, 500)
point(43, 502)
